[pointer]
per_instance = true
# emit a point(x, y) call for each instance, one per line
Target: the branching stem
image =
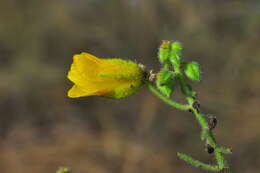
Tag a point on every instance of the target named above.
point(169, 56)
point(166, 99)
point(208, 136)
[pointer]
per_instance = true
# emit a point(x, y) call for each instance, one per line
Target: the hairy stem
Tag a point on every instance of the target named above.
point(166, 99)
point(170, 57)
point(197, 163)
point(207, 134)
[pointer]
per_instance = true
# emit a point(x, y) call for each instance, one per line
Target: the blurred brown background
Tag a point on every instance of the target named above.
point(41, 129)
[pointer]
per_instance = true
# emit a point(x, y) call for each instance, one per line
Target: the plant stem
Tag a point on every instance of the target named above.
point(166, 99)
point(197, 163)
point(207, 134)
point(203, 121)
point(210, 139)
point(170, 55)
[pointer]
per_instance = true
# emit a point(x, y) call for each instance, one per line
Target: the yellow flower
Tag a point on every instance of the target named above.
point(113, 78)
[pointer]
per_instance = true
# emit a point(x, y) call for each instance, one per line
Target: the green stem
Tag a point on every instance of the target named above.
point(210, 139)
point(208, 135)
point(166, 99)
point(174, 60)
point(197, 163)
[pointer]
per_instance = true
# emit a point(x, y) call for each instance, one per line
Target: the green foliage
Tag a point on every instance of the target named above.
point(173, 72)
point(176, 48)
point(165, 81)
point(192, 71)
point(175, 55)
point(164, 52)
point(185, 87)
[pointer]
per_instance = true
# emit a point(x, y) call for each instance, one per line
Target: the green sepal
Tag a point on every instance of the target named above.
point(165, 82)
point(192, 71)
point(164, 51)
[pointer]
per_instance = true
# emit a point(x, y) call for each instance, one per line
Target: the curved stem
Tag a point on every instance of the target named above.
point(198, 163)
point(210, 139)
point(203, 121)
point(173, 50)
point(207, 134)
point(166, 99)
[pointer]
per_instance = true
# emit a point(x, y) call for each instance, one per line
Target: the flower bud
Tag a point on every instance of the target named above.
point(164, 51)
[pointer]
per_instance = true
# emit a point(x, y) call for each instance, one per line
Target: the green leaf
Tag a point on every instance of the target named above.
point(175, 54)
point(185, 87)
point(164, 51)
point(176, 47)
point(192, 71)
point(165, 82)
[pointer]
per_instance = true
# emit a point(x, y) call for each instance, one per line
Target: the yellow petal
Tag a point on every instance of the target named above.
point(85, 67)
point(85, 72)
point(77, 91)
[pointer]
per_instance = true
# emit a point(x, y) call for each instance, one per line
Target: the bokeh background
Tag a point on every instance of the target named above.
point(41, 129)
